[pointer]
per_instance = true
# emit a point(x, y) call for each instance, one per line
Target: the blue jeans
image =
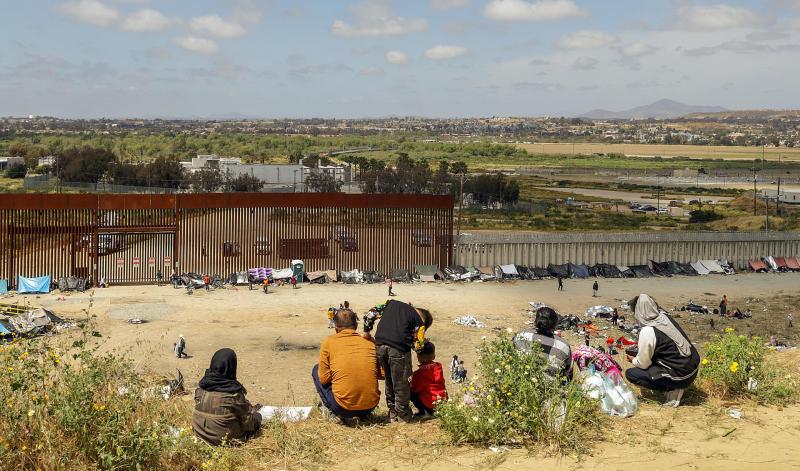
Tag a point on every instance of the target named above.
point(325, 392)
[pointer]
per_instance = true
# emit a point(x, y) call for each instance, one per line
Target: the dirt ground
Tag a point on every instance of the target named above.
point(276, 337)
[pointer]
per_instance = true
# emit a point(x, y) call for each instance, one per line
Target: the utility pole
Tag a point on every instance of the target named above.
point(755, 193)
point(766, 213)
point(778, 199)
point(460, 204)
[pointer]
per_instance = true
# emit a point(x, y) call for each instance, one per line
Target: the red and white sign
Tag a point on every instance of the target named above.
point(151, 262)
point(167, 261)
point(136, 262)
point(120, 263)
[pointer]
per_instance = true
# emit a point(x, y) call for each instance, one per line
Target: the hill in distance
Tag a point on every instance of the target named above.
point(661, 109)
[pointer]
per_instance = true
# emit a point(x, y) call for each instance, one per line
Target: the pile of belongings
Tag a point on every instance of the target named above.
point(469, 321)
point(602, 379)
point(558, 271)
point(603, 312)
point(525, 273)
point(72, 283)
point(33, 322)
point(487, 273)
point(239, 278)
point(192, 279)
point(428, 273)
point(459, 273)
point(568, 322)
point(625, 272)
point(536, 305)
point(320, 277)
point(351, 277)
point(692, 307)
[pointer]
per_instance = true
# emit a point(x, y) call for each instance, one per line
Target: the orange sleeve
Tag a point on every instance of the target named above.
point(325, 376)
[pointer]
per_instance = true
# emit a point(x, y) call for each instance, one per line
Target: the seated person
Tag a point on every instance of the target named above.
point(557, 351)
point(666, 359)
point(221, 412)
point(347, 375)
point(427, 383)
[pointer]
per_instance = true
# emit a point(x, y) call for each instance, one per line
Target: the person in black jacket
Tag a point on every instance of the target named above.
point(666, 359)
point(401, 328)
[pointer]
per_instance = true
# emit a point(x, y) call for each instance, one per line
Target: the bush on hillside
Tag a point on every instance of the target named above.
point(702, 215)
point(513, 401)
point(736, 366)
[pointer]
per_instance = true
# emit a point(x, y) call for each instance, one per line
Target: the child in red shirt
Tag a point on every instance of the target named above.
point(427, 383)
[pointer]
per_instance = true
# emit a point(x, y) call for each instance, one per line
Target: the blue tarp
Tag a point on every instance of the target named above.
point(4, 331)
point(3, 286)
point(33, 285)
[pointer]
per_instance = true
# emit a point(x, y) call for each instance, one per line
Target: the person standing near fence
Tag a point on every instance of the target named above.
point(159, 277)
point(389, 285)
point(595, 288)
point(560, 284)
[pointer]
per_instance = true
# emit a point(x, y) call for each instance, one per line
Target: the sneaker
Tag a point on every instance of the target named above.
point(392, 415)
point(673, 398)
point(422, 416)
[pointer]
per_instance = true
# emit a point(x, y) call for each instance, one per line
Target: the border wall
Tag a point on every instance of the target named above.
point(127, 238)
point(628, 248)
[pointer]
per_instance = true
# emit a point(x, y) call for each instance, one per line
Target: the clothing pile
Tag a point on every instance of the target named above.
point(469, 321)
point(604, 312)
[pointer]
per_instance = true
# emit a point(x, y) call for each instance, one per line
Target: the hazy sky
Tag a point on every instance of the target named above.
point(371, 58)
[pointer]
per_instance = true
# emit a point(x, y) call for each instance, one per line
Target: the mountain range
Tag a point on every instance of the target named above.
point(661, 109)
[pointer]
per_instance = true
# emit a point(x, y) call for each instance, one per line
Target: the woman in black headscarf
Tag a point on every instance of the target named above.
point(221, 412)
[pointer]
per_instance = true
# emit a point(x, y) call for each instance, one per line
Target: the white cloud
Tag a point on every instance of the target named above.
point(217, 26)
point(638, 50)
point(370, 71)
point(585, 63)
point(700, 18)
point(146, 20)
point(448, 4)
point(375, 18)
point(198, 45)
point(443, 51)
point(90, 11)
point(586, 40)
point(397, 57)
point(543, 10)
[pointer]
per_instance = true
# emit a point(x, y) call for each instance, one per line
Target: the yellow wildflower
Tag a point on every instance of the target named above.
point(728, 330)
point(734, 367)
point(31, 412)
point(704, 362)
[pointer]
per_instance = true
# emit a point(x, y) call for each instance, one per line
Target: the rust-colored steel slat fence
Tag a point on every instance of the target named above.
point(128, 238)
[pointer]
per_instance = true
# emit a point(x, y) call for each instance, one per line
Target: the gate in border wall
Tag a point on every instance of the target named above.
point(127, 238)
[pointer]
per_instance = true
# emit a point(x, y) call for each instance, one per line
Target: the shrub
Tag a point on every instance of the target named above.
point(67, 407)
point(701, 215)
point(514, 401)
point(736, 366)
point(17, 171)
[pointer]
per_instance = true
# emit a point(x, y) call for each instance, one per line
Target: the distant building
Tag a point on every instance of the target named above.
point(790, 197)
point(8, 162)
point(271, 174)
point(49, 160)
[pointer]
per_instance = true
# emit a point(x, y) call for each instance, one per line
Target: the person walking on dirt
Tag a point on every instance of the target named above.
point(266, 285)
point(175, 279)
point(207, 282)
point(595, 287)
point(180, 347)
point(293, 280)
point(159, 277)
point(560, 284)
point(723, 306)
point(389, 285)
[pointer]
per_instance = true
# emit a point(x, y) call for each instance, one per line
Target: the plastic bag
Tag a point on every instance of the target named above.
point(616, 398)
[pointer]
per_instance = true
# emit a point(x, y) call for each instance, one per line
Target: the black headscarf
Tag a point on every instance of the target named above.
point(221, 375)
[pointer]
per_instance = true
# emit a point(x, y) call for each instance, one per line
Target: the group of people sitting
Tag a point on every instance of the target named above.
point(346, 377)
point(351, 364)
point(665, 359)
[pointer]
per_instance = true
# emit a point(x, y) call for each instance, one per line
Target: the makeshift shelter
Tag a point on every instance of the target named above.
point(33, 322)
point(509, 271)
point(351, 277)
point(525, 273)
point(283, 274)
point(660, 269)
point(487, 273)
point(674, 268)
point(625, 272)
point(700, 268)
point(727, 267)
point(712, 266)
point(771, 263)
point(541, 272)
point(260, 274)
point(426, 272)
point(239, 278)
point(641, 271)
point(372, 277)
point(401, 276)
point(780, 262)
point(317, 277)
point(72, 283)
point(758, 266)
point(607, 271)
point(39, 284)
point(559, 271)
point(3, 286)
point(687, 269)
point(791, 262)
point(578, 271)
point(454, 272)
point(471, 273)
